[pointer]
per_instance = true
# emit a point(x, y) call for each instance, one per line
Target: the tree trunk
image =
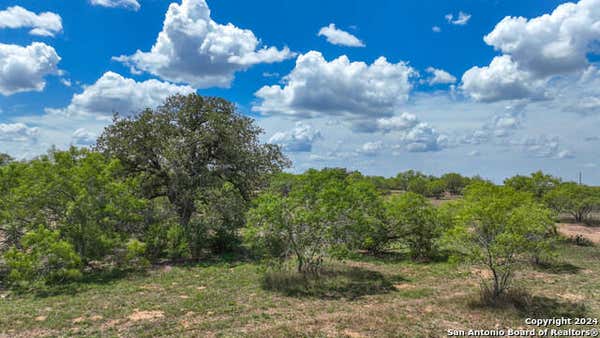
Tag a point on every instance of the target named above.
point(300, 263)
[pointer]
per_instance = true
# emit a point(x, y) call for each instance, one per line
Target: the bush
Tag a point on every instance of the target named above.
point(577, 200)
point(418, 185)
point(324, 213)
point(412, 219)
point(454, 183)
point(435, 188)
point(177, 243)
point(43, 259)
point(496, 227)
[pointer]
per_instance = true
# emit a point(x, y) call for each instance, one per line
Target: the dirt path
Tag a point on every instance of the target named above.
point(571, 229)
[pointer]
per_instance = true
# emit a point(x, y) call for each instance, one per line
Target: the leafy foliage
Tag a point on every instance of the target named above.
point(322, 213)
point(77, 192)
point(576, 200)
point(415, 222)
point(43, 258)
point(496, 226)
point(189, 146)
point(538, 183)
point(454, 183)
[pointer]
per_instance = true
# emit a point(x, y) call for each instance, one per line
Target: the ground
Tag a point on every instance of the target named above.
point(368, 296)
point(573, 229)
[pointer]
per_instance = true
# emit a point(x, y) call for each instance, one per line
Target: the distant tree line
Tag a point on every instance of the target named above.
point(191, 179)
point(422, 184)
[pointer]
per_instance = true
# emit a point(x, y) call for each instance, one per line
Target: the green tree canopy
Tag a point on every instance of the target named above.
point(577, 200)
point(190, 145)
point(537, 183)
point(415, 222)
point(319, 212)
point(496, 226)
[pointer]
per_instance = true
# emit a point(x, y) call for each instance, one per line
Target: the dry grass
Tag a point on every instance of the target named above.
point(362, 298)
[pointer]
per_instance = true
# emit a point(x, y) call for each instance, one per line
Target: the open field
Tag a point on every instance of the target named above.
point(389, 296)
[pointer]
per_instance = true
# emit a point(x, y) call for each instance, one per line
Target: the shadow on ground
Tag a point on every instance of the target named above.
point(527, 305)
point(330, 283)
point(393, 257)
point(557, 267)
point(545, 307)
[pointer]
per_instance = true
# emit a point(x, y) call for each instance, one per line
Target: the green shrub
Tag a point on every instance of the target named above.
point(135, 254)
point(435, 188)
point(43, 258)
point(323, 213)
point(413, 220)
point(177, 243)
point(497, 227)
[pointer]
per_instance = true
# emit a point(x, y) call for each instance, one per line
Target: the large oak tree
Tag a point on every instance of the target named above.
point(189, 146)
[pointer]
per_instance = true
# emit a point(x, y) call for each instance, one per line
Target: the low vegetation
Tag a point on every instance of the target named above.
point(181, 220)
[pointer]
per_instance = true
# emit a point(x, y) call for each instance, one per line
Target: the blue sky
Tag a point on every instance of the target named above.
point(493, 88)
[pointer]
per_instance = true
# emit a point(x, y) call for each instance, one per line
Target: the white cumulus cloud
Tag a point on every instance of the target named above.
point(424, 138)
point(299, 139)
point(402, 122)
point(552, 43)
point(501, 80)
point(536, 51)
point(17, 132)
point(113, 93)
point(194, 49)
point(83, 137)
point(439, 76)
point(43, 24)
point(317, 87)
point(371, 148)
point(543, 146)
point(340, 37)
point(413, 134)
point(24, 68)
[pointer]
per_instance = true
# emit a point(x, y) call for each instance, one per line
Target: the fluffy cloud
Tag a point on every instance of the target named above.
point(115, 93)
point(552, 43)
point(83, 137)
point(339, 37)
point(17, 132)
point(299, 139)
point(439, 76)
point(424, 138)
point(43, 24)
point(414, 135)
point(436, 29)
point(578, 94)
point(128, 4)
point(24, 68)
point(501, 125)
point(371, 148)
point(461, 20)
point(501, 80)
point(535, 51)
point(543, 146)
point(317, 87)
point(194, 49)
point(402, 122)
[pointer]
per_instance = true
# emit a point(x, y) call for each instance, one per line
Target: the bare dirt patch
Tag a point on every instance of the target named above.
point(78, 320)
point(146, 315)
point(404, 286)
point(571, 230)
